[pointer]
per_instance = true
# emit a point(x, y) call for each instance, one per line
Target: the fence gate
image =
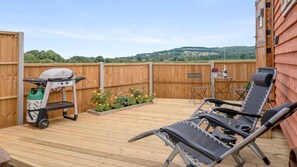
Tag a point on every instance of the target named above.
point(11, 76)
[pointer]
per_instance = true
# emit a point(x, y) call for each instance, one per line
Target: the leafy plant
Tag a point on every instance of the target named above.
point(106, 101)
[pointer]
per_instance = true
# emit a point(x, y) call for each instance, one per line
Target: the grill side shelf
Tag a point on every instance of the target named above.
point(59, 105)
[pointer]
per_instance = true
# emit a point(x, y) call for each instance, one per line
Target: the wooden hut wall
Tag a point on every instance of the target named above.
point(285, 30)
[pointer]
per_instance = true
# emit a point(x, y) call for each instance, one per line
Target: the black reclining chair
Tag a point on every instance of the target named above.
point(197, 146)
point(244, 120)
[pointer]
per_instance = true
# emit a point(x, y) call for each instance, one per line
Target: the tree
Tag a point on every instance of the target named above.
point(139, 58)
point(99, 59)
point(35, 56)
point(79, 59)
point(30, 58)
point(54, 56)
point(243, 56)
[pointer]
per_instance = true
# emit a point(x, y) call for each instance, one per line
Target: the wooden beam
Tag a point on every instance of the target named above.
point(20, 115)
point(151, 79)
point(102, 77)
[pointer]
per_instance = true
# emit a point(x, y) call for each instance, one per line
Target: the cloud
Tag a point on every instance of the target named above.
point(211, 1)
point(143, 36)
point(112, 35)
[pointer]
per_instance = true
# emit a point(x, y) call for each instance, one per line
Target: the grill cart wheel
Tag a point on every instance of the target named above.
point(43, 123)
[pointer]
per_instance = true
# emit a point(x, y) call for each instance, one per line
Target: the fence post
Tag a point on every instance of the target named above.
point(150, 78)
point(20, 113)
point(102, 77)
point(212, 64)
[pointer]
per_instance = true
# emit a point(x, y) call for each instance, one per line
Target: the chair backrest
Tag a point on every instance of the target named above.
point(258, 94)
point(194, 75)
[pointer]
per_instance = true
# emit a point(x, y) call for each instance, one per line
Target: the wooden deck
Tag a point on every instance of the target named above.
point(102, 140)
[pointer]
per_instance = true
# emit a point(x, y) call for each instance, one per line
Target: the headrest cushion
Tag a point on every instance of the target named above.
point(262, 79)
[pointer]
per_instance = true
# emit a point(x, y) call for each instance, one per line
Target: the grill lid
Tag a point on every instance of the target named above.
point(57, 73)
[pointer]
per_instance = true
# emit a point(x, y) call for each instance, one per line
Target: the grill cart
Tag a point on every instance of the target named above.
point(57, 80)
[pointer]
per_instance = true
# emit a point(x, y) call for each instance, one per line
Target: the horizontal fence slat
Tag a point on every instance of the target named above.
point(8, 63)
point(8, 97)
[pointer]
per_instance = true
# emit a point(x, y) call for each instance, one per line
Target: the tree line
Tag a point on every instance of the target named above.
point(36, 56)
point(184, 54)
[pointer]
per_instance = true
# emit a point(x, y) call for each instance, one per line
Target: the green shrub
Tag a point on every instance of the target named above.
point(116, 106)
point(123, 100)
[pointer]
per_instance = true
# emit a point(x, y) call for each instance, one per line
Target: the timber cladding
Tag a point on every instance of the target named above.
point(285, 28)
point(8, 78)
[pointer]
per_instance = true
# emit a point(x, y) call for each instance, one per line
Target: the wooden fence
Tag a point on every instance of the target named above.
point(119, 78)
point(169, 81)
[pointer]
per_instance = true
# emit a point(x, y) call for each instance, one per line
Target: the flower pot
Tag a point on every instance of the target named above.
point(215, 74)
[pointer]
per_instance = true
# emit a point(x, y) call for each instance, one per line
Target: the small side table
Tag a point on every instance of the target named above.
point(241, 92)
point(223, 90)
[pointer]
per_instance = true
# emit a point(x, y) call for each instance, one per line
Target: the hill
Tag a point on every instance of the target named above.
point(196, 54)
point(183, 54)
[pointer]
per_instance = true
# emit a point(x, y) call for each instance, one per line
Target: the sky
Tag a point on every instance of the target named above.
point(118, 28)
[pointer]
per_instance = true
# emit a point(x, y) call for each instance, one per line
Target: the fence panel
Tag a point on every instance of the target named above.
point(9, 49)
point(241, 73)
point(119, 78)
point(170, 80)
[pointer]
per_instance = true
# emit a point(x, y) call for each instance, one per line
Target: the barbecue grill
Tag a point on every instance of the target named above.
point(55, 80)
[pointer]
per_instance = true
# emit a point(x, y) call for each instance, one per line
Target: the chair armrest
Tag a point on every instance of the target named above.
point(231, 113)
point(178, 137)
point(215, 121)
point(218, 102)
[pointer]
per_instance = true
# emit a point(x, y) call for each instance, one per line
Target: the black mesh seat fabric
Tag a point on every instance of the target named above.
point(187, 129)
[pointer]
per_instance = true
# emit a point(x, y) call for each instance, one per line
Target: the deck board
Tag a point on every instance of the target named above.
point(102, 140)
